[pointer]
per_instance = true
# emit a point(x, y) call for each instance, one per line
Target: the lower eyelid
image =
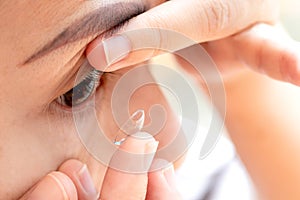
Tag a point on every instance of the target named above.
point(65, 111)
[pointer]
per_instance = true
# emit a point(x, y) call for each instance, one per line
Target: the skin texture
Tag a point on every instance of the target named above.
point(37, 135)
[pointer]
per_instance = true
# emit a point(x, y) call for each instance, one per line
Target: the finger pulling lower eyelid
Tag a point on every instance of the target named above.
point(108, 52)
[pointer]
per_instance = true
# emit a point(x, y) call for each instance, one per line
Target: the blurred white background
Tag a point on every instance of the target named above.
point(290, 17)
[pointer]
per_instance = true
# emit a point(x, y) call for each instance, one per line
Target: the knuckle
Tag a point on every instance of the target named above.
point(218, 15)
point(156, 20)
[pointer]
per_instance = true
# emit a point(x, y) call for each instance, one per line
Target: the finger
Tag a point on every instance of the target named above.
point(129, 183)
point(79, 174)
point(162, 184)
point(55, 185)
point(207, 20)
point(269, 50)
point(198, 20)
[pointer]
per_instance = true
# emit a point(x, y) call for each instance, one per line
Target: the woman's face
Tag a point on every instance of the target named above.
point(42, 48)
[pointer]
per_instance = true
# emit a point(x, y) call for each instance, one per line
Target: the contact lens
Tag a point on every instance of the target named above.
point(133, 125)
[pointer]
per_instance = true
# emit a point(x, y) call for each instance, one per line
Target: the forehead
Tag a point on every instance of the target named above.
point(29, 24)
point(39, 12)
point(28, 16)
point(23, 24)
point(49, 10)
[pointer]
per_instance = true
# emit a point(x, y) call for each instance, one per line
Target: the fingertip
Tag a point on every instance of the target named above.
point(81, 177)
point(55, 185)
point(140, 143)
point(65, 184)
point(102, 54)
point(71, 165)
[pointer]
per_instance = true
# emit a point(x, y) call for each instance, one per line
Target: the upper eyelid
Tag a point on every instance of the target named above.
point(106, 34)
point(69, 79)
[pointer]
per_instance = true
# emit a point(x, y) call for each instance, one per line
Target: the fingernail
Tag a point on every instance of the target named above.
point(109, 52)
point(86, 181)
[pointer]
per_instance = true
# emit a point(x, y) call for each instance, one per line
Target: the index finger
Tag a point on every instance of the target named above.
point(198, 20)
point(130, 181)
point(207, 20)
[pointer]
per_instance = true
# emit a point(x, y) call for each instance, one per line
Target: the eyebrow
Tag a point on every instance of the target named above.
point(96, 22)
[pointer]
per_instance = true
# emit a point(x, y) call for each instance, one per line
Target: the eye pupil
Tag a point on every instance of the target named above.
point(68, 98)
point(83, 91)
point(79, 94)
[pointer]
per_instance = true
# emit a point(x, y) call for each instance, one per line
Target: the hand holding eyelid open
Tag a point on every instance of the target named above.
point(264, 48)
point(201, 21)
point(280, 60)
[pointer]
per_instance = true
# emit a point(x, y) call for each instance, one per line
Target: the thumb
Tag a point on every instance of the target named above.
point(55, 185)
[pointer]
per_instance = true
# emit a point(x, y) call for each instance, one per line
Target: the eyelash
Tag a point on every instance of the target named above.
point(83, 90)
point(92, 75)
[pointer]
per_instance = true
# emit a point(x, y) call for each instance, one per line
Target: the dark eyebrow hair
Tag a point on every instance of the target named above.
point(96, 22)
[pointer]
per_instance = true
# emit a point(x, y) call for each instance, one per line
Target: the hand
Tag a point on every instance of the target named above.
point(262, 47)
point(73, 181)
point(208, 20)
point(136, 186)
point(201, 21)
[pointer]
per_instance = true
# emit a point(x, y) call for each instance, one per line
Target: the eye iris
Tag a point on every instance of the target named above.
point(79, 94)
point(83, 91)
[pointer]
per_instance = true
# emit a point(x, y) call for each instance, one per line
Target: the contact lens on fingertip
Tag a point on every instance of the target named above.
point(132, 126)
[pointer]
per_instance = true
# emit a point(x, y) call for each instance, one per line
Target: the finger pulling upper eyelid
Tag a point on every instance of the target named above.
point(109, 52)
point(102, 58)
point(110, 47)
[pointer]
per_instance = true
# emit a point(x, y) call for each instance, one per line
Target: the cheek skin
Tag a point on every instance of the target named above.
point(31, 150)
point(33, 147)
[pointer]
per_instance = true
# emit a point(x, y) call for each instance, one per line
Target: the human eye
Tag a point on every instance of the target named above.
point(88, 81)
